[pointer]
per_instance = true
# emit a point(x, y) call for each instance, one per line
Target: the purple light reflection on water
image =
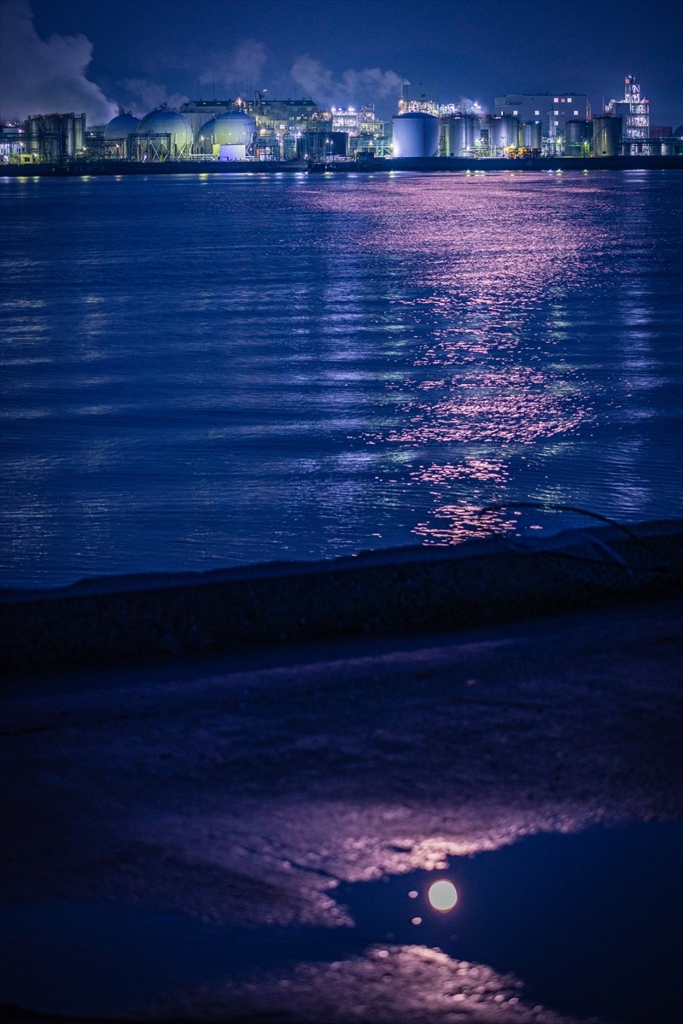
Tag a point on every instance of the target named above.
point(199, 374)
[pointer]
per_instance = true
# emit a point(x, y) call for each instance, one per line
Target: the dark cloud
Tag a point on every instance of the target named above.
point(237, 67)
point(447, 48)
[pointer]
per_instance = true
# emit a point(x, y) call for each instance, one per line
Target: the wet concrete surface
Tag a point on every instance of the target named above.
point(270, 795)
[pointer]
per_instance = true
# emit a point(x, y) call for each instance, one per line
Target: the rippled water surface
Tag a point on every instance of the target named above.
point(200, 372)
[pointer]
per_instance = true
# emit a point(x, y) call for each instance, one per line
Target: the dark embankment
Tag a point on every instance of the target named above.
point(387, 593)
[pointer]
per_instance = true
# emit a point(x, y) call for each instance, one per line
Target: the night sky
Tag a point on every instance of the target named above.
point(93, 55)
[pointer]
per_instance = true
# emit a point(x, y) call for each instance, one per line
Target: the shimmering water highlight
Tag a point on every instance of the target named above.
point(209, 372)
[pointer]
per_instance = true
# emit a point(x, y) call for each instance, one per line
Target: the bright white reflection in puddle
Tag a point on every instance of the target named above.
point(512, 954)
point(443, 895)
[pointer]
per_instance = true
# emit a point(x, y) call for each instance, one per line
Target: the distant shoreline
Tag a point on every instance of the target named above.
point(116, 168)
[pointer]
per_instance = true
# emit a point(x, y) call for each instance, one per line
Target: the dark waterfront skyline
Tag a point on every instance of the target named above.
point(95, 55)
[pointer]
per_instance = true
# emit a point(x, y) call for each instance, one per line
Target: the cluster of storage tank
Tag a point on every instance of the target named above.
point(167, 134)
point(423, 135)
point(418, 135)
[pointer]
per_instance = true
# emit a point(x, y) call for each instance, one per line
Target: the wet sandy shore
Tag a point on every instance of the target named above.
point(250, 789)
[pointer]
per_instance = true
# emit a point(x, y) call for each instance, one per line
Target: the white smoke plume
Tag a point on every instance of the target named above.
point(319, 83)
point(468, 106)
point(145, 96)
point(45, 76)
point(239, 67)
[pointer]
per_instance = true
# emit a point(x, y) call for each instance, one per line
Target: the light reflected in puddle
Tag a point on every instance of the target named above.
point(548, 929)
point(442, 895)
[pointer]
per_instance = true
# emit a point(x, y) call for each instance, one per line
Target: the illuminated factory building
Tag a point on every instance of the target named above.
point(289, 130)
point(634, 112)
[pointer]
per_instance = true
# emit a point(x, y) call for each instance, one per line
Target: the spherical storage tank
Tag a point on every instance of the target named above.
point(168, 123)
point(415, 135)
point(116, 134)
point(120, 127)
point(233, 128)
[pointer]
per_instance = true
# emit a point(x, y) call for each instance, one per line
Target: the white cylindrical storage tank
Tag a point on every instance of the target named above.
point(496, 131)
point(461, 135)
point(606, 136)
point(163, 134)
point(532, 134)
point(576, 137)
point(233, 128)
point(504, 132)
point(415, 135)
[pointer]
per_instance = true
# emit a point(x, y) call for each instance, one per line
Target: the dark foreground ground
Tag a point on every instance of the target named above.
point(258, 795)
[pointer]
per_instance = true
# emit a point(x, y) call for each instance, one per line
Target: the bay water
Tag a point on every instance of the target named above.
point(202, 371)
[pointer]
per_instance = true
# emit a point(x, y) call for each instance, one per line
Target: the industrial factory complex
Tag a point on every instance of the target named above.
point(298, 133)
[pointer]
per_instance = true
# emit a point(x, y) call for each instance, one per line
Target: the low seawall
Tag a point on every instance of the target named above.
point(109, 168)
point(376, 594)
point(118, 168)
point(555, 163)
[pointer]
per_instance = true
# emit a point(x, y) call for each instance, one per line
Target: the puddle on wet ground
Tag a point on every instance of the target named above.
point(590, 922)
